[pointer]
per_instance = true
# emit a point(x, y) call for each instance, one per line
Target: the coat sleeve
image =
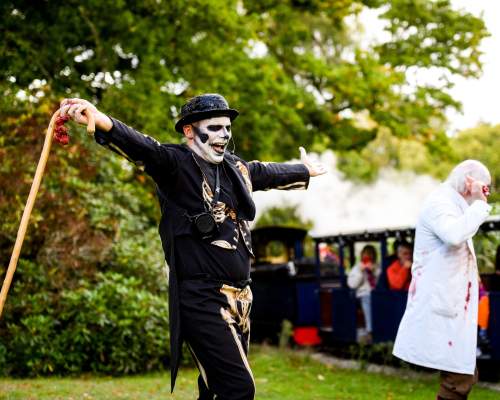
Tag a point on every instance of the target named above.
point(453, 227)
point(265, 176)
point(355, 277)
point(144, 151)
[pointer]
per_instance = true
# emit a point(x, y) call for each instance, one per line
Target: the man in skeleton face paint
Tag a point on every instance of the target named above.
point(205, 193)
point(210, 138)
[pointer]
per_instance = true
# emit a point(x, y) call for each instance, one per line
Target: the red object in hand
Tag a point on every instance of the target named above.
point(366, 260)
point(61, 132)
point(486, 190)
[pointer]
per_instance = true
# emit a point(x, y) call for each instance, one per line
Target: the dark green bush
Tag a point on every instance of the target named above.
point(112, 326)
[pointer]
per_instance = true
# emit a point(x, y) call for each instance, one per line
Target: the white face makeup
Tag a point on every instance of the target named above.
point(211, 137)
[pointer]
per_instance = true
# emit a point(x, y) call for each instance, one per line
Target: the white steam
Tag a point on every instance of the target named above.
point(337, 205)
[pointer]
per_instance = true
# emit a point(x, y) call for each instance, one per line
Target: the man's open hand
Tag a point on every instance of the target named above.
point(314, 168)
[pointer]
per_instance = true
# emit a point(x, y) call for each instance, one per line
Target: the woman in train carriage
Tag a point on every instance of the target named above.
point(363, 278)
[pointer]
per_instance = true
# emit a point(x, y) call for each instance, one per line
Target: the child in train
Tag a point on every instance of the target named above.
point(363, 278)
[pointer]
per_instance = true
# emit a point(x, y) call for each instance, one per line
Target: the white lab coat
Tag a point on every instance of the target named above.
point(439, 326)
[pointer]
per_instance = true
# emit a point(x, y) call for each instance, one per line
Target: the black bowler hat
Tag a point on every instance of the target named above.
point(202, 107)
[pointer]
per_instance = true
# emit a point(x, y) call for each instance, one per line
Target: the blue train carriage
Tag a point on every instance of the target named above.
point(286, 283)
point(340, 316)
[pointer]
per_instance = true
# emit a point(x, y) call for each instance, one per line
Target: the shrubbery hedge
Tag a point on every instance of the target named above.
point(112, 326)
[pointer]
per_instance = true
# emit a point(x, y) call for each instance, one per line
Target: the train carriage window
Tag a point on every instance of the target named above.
point(274, 252)
point(487, 249)
point(330, 259)
point(328, 254)
point(485, 246)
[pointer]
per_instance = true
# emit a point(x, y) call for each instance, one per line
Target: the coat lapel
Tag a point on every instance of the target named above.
point(242, 187)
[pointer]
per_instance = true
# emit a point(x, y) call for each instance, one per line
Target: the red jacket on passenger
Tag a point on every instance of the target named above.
point(398, 276)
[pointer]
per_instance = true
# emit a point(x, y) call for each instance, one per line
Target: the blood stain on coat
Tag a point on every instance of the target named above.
point(467, 298)
point(450, 343)
point(413, 288)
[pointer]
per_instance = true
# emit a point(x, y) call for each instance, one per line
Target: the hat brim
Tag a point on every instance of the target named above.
point(198, 116)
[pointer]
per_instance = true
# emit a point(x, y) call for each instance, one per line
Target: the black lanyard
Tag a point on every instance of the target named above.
point(216, 196)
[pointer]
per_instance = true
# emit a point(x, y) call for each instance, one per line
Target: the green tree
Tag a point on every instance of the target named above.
point(481, 143)
point(283, 216)
point(309, 85)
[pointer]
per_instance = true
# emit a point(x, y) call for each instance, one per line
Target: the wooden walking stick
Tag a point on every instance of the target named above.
point(56, 124)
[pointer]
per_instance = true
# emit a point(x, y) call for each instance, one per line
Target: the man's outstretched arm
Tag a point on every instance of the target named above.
point(141, 149)
point(284, 176)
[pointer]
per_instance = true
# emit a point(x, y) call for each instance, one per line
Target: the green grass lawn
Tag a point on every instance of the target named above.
point(278, 375)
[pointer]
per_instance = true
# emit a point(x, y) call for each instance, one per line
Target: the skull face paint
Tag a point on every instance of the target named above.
point(211, 138)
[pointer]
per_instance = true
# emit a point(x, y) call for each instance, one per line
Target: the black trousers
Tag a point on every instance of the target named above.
point(215, 324)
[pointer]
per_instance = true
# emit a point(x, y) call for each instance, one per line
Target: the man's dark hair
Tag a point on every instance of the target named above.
point(401, 242)
point(404, 243)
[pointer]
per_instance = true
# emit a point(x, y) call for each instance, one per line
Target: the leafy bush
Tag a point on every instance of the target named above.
point(113, 326)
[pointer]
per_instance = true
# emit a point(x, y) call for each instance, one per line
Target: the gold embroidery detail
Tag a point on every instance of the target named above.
point(240, 304)
point(246, 175)
point(222, 243)
point(221, 210)
point(200, 367)
point(293, 186)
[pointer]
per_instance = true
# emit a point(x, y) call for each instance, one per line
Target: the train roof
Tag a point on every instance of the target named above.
point(491, 224)
point(279, 232)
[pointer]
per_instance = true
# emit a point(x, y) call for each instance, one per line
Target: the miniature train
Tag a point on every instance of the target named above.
point(312, 293)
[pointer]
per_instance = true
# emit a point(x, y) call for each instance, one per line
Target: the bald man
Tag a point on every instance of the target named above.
point(439, 327)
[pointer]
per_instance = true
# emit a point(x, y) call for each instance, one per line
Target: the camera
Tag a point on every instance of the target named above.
point(205, 226)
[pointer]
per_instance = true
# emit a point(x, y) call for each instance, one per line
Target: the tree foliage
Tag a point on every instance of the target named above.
point(283, 216)
point(482, 143)
point(308, 83)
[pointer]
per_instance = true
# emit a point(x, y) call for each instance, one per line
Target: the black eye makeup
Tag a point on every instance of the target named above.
point(216, 128)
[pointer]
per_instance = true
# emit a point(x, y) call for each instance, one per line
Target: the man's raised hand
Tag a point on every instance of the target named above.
point(314, 168)
point(476, 189)
point(78, 109)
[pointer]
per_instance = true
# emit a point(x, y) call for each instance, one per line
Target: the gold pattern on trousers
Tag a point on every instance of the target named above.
point(240, 303)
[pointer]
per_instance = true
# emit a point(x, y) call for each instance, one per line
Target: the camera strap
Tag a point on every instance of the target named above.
point(215, 198)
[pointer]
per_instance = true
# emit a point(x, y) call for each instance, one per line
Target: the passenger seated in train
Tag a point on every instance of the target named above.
point(482, 321)
point(363, 278)
point(328, 255)
point(399, 272)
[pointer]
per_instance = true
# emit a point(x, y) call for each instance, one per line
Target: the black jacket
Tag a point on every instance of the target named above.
point(180, 181)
